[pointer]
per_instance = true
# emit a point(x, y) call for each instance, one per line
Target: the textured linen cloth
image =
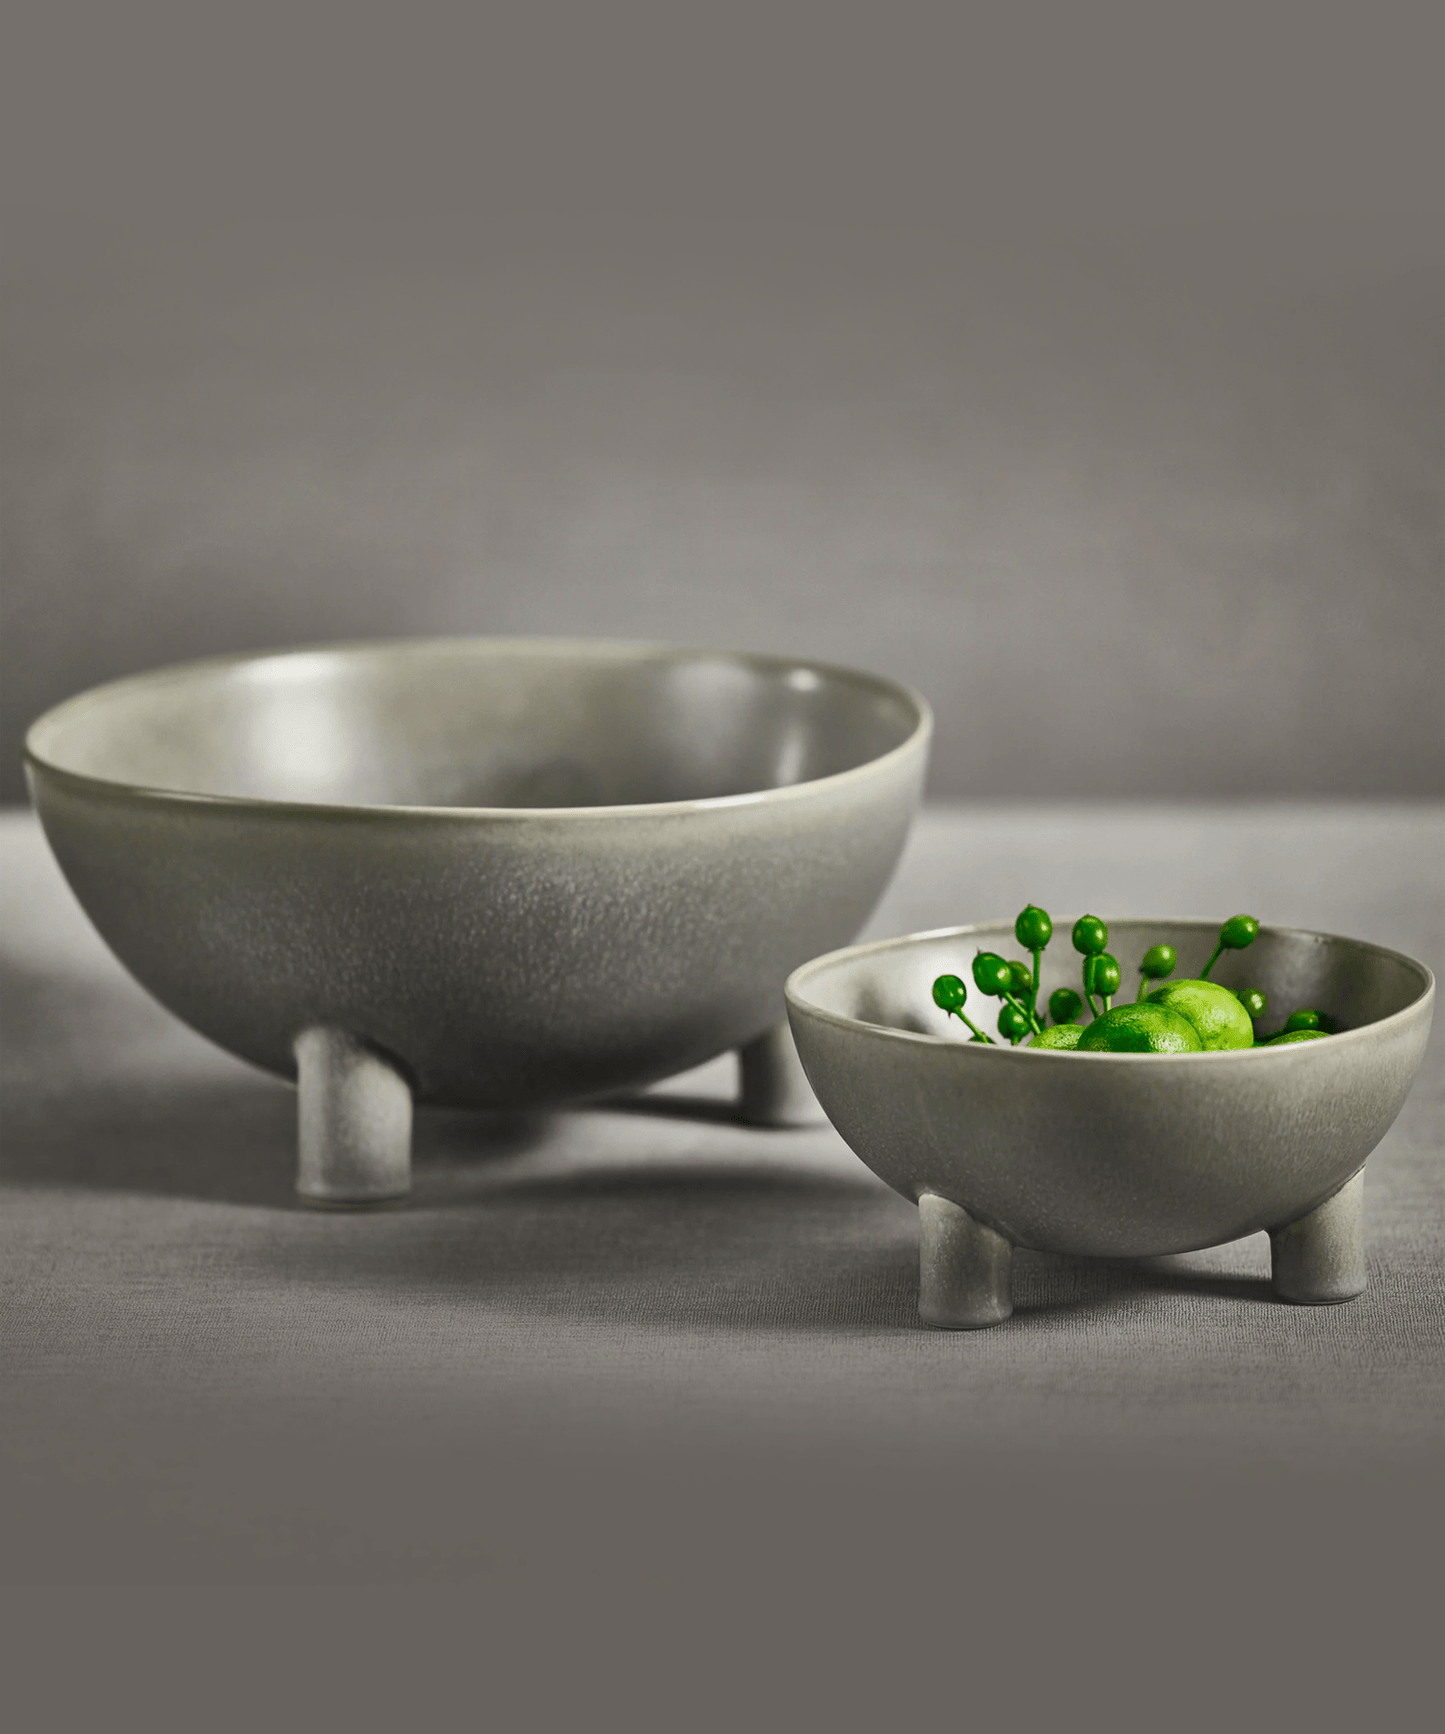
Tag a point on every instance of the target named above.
point(645, 1343)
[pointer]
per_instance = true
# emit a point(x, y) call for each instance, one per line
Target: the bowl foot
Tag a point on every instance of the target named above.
point(1319, 1259)
point(773, 1087)
point(965, 1271)
point(353, 1122)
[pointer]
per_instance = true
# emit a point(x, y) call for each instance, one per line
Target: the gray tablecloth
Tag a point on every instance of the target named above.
point(647, 1352)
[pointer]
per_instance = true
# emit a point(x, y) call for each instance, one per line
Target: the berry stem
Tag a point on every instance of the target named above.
point(974, 1027)
point(1214, 958)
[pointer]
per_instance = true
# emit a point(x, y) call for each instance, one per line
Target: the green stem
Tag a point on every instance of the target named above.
point(1089, 1001)
point(1038, 952)
point(976, 1030)
point(1108, 1000)
point(1204, 973)
point(1034, 1023)
point(1143, 979)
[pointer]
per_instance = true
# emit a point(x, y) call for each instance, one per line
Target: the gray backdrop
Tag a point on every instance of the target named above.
point(1082, 369)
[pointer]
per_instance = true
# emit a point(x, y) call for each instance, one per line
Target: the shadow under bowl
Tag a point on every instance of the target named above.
point(483, 872)
point(1115, 1155)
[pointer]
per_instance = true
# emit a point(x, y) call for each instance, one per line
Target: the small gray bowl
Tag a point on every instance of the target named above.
point(1115, 1155)
point(484, 872)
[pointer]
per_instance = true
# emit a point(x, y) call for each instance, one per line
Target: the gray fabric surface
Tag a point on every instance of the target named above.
point(647, 1344)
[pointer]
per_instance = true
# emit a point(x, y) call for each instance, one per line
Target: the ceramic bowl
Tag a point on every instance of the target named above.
point(1115, 1155)
point(484, 872)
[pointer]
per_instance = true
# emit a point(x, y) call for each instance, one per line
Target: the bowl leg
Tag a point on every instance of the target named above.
point(354, 1122)
point(773, 1087)
point(965, 1271)
point(1320, 1258)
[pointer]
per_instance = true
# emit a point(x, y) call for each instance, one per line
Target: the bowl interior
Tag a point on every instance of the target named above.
point(480, 723)
point(891, 983)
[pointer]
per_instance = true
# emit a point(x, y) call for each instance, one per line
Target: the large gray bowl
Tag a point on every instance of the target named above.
point(1115, 1155)
point(482, 872)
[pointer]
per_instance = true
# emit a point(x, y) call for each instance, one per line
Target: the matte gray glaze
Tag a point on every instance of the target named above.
point(502, 872)
point(1115, 1155)
point(965, 1268)
point(353, 1143)
point(1321, 1256)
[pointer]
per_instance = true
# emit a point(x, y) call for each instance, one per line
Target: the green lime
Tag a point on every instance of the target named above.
point(1295, 1036)
point(1141, 1028)
point(1215, 1012)
point(1058, 1036)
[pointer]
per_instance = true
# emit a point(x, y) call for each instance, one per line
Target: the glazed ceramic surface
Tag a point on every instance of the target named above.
point(1113, 1154)
point(522, 872)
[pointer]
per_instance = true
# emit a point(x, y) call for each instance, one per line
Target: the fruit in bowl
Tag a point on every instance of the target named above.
point(1116, 1151)
point(1195, 1015)
point(483, 872)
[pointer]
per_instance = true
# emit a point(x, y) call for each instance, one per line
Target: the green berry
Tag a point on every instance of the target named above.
point(1101, 974)
point(992, 974)
point(1144, 1027)
point(1064, 1005)
point(1013, 1022)
point(1238, 932)
point(949, 993)
point(1090, 935)
point(1304, 1019)
point(1021, 979)
point(1254, 1002)
point(1158, 962)
point(1033, 929)
point(1058, 1036)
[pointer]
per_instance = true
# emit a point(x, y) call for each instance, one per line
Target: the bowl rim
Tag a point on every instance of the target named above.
point(794, 995)
point(621, 649)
